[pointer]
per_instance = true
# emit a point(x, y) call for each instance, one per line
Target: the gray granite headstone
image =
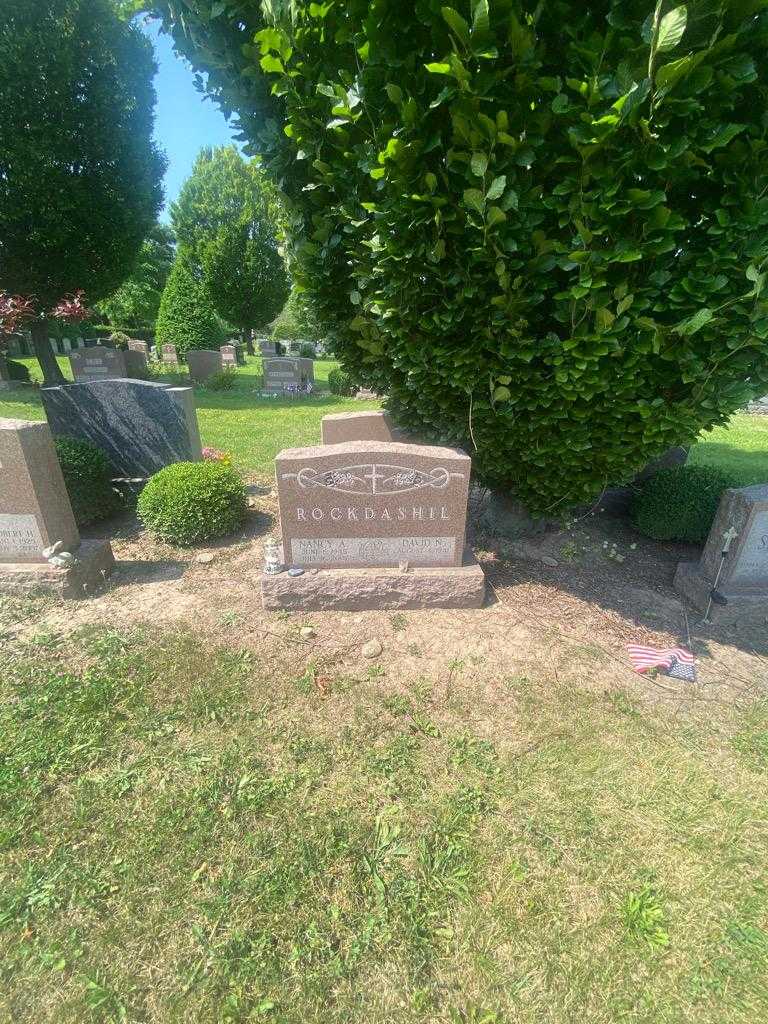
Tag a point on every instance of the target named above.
point(140, 425)
point(292, 372)
point(101, 362)
point(202, 363)
point(135, 364)
point(740, 578)
point(137, 345)
point(5, 373)
point(267, 348)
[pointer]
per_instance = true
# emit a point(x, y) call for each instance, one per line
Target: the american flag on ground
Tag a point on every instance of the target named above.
point(673, 661)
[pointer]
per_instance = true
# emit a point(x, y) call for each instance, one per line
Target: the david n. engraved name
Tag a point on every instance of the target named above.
point(364, 513)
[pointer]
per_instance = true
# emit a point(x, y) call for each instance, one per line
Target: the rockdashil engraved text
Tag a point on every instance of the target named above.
point(379, 479)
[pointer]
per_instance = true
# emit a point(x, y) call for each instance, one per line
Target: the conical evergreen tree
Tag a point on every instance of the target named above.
point(186, 317)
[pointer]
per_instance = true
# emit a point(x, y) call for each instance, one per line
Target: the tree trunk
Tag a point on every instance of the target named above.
point(248, 341)
point(45, 355)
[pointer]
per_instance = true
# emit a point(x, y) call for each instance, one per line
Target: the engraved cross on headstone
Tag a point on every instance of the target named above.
point(729, 537)
point(373, 475)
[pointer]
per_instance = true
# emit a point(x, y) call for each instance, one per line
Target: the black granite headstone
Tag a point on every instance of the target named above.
point(140, 425)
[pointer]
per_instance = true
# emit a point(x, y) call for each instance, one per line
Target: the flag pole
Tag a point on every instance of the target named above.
point(729, 537)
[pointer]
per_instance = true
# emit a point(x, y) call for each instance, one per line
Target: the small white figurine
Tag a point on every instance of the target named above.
point(54, 555)
point(272, 563)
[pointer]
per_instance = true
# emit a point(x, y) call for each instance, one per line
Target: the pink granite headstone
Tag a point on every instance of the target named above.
point(35, 511)
point(228, 355)
point(170, 356)
point(367, 503)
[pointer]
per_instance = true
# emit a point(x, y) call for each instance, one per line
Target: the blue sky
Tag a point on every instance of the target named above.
point(185, 121)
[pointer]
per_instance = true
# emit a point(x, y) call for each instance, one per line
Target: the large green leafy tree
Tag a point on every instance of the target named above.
point(227, 218)
point(540, 228)
point(80, 178)
point(297, 319)
point(137, 301)
point(187, 318)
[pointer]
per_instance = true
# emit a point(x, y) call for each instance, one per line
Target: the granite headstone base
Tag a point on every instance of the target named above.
point(94, 564)
point(382, 589)
point(142, 426)
point(733, 608)
point(376, 425)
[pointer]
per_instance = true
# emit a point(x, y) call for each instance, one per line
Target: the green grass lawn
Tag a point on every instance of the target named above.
point(189, 834)
point(741, 448)
point(253, 429)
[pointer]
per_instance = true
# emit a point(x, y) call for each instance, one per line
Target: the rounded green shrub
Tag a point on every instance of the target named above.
point(189, 502)
point(88, 477)
point(120, 340)
point(340, 382)
point(223, 380)
point(680, 503)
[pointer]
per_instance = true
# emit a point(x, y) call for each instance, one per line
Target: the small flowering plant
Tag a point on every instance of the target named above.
point(215, 455)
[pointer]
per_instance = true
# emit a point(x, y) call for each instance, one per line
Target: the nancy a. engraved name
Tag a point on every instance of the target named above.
point(372, 550)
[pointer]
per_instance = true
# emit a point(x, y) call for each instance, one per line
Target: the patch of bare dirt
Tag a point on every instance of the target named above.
point(562, 606)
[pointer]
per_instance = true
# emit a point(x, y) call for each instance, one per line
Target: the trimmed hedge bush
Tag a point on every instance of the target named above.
point(340, 382)
point(88, 477)
point(190, 502)
point(186, 317)
point(222, 380)
point(534, 227)
point(680, 503)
